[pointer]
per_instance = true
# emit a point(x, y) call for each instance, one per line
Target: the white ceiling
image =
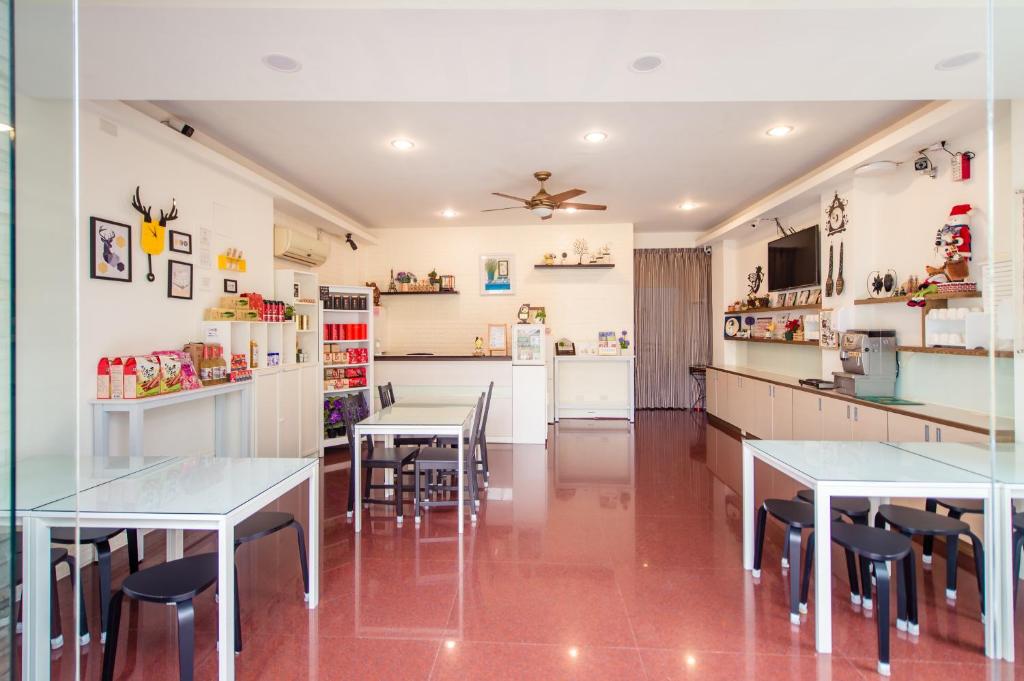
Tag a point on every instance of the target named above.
point(657, 155)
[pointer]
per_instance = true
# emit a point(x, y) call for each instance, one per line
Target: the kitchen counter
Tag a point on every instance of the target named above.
point(441, 358)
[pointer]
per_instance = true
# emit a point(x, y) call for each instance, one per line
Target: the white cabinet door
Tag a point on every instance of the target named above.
point(807, 421)
point(711, 392)
point(739, 410)
point(289, 413)
point(908, 429)
point(729, 391)
point(782, 413)
point(836, 417)
point(312, 410)
point(759, 401)
point(265, 386)
point(870, 424)
point(951, 434)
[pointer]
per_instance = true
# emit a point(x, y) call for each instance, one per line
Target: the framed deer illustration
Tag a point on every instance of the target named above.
point(153, 234)
point(110, 250)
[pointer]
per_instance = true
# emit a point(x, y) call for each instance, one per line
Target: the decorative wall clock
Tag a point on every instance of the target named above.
point(153, 233)
point(836, 217)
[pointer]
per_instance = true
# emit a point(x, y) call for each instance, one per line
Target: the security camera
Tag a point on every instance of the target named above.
point(180, 126)
point(924, 166)
point(350, 242)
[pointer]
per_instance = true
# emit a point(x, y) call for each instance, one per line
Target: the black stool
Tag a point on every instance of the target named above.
point(911, 521)
point(99, 539)
point(257, 526)
point(57, 556)
point(880, 547)
point(956, 508)
point(698, 387)
point(178, 582)
point(797, 516)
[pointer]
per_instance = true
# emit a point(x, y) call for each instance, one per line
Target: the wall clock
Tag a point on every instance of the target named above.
point(836, 217)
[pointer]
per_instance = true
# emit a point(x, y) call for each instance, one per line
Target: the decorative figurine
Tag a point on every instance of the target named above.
point(478, 347)
point(376, 292)
point(579, 247)
point(755, 278)
point(524, 313)
point(392, 287)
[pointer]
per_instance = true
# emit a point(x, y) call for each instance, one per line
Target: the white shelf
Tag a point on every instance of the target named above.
point(345, 390)
point(346, 342)
point(345, 366)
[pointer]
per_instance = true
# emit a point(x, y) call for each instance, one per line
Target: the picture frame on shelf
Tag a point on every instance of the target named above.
point(791, 299)
point(179, 242)
point(179, 280)
point(817, 296)
point(230, 286)
point(497, 271)
point(497, 339)
point(110, 250)
point(565, 347)
point(780, 299)
point(804, 298)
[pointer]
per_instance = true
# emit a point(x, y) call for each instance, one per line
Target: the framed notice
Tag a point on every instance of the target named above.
point(497, 339)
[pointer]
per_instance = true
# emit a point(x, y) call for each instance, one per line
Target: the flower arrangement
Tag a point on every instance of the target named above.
point(792, 326)
point(623, 341)
point(334, 417)
point(405, 277)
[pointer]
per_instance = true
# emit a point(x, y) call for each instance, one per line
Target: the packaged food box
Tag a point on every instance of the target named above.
point(147, 376)
point(233, 302)
point(248, 315)
point(170, 372)
point(214, 314)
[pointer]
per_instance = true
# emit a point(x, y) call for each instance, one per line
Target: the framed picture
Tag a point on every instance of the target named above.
point(780, 300)
point(231, 286)
point(180, 242)
point(110, 250)
point(497, 339)
point(496, 272)
point(817, 296)
point(804, 298)
point(791, 299)
point(179, 280)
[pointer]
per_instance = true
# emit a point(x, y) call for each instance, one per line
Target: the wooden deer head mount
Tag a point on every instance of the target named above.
point(154, 233)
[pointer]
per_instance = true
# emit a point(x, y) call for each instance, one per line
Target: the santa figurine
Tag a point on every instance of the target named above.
point(954, 240)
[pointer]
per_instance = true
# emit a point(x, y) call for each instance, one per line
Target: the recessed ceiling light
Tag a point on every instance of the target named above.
point(646, 63)
point(402, 144)
point(688, 205)
point(595, 136)
point(449, 213)
point(779, 130)
point(570, 209)
point(282, 63)
point(957, 61)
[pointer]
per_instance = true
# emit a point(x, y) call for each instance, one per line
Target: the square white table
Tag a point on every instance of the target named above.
point(865, 469)
point(442, 419)
point(212, 494)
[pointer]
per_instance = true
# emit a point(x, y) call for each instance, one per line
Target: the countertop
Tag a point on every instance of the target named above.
point(949, 416)
point(441, 358)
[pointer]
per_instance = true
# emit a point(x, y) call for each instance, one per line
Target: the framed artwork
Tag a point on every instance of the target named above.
point(497, 339)
point(110, 250)
point(791, 299)
point(180, 242)
point(496, 272)
point(804, 298)
point(816, 299)
point(179, 280)
point(231, 286)
point(780, 300)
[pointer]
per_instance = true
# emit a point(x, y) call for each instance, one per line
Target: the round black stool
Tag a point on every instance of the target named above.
point(257, 526)
point(178, 582)
point(797, 516)
point(911, 521)
point(956, 508)
point(57, 556)
point(99, 539)
point(879, 547)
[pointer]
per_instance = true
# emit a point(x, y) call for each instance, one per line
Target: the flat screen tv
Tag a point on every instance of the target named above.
point(795, 260)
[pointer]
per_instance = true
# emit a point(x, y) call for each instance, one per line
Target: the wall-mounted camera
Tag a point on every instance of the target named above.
point(180, 126)
point(924, 166)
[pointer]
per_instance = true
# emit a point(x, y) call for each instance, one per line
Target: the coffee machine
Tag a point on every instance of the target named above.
point(869, 363)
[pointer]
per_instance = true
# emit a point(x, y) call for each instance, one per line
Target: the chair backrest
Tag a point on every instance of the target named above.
point(353, 410)
point(478, 419)
point(487, 408)
point(387, 395)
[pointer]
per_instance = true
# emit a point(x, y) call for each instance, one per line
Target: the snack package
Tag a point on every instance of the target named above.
point(170, 372)
point(188, 377)
point(147, 376)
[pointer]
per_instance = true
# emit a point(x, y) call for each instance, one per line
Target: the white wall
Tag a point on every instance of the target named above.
point(138, 317)
point(665, 239)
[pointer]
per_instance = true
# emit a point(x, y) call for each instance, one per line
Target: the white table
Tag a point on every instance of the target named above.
point(212, 494)
point(866, 469)
point(441, 419)
point(136, 410)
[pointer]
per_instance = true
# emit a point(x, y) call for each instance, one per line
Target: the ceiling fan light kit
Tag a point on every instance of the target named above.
point(544, 205)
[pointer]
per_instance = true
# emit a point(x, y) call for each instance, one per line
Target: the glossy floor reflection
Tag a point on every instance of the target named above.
point(614, 554)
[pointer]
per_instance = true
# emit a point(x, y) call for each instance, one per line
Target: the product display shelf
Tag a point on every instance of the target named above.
point(779, 341)
point(332, 316)
point(772, 310)
point(235, 337)
point(904, 299)
point(418, 293)
point(576, 266)
point(291, 286)
point(964, 352)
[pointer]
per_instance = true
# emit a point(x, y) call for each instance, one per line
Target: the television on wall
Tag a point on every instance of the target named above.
point(794, 260)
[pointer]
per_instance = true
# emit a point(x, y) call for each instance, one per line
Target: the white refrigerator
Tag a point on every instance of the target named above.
point(529, 384)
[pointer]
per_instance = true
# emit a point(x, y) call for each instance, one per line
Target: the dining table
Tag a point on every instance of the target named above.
point(167, 493)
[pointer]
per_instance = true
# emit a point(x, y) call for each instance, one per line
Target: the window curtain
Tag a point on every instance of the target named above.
point(672, 312)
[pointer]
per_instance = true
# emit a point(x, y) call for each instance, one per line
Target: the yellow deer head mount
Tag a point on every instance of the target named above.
point(153, 232)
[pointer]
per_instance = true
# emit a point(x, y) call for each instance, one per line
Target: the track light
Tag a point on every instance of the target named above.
point(350, 242)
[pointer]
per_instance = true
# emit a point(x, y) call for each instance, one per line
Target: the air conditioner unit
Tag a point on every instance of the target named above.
point(294, 245)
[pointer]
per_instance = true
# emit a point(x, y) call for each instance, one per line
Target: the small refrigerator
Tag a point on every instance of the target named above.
point(529, 384)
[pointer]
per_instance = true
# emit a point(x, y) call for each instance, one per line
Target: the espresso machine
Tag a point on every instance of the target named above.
point(869, 363)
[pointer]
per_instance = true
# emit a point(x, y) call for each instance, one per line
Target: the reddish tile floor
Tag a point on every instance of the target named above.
point(615, 555)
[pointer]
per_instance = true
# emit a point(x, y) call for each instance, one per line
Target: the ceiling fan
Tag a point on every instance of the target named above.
point(542, 204)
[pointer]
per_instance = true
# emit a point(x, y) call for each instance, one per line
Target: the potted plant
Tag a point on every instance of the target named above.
point(333, 420)
point(289, 312)
point(404, 279)
point(791, 328)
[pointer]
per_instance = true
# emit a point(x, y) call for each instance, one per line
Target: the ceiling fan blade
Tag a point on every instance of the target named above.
point(583, 206)
point(514, 198)
point(547, 217)
point(488, 210)
point(566, 195)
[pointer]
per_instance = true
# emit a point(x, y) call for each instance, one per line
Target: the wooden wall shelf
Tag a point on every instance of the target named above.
point(904, 299)
point(418, 293)
point(789, 308)
point(584, 266)
point(963, 352)
point(778, 341)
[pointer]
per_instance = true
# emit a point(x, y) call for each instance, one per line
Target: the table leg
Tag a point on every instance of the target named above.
point(35, 596)
point(175, 544)
point(136, 417)
point(245, 436)
point(100, 431)
point(226, 601)
point(461, 480)
point(748, 508)
point(314, 538)
point(822, 569)
point(357, 504)
point(219, 416)
point(389, 475)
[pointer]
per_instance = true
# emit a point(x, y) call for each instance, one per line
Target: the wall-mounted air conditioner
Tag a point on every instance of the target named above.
point(299, 247)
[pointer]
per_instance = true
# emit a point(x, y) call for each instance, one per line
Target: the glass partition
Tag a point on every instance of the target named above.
point(7, 582)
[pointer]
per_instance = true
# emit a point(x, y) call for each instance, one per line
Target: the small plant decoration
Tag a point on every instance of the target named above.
point(579, 247)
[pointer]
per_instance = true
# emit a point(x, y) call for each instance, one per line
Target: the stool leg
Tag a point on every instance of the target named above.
point(300, 538)
point(1018, 546)
point(794, 575)
point(238, 616)
point(367, 481)
point(785, 550)
point(83, 620)
point(930, 505)
point(103, 563)
point(952, 549)
point(420, 484)
point(901, 596)
point(762, 518)
point(56, 637)
point(910, 575)
point(110, 652)
point(865, 584)
point(851, 573)
point(882, 581)
point(805, 580)
point(399, 494)
point(186, 640)
point(979, 567)
point(133, 550)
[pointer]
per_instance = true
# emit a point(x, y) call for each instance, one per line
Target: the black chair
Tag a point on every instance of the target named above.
point(395, 459)
point(444, 460)
point(481, 463)
point(1018, 546)
point(257, 526)
point(176, 582)
point(879, 547)
point(57, 556)
point(913, 521)
point(99, 539)
point(797, 516)
point(387, 398)
point(956, 508)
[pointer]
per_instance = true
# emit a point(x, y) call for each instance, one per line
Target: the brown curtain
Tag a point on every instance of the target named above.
point(672, 311)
